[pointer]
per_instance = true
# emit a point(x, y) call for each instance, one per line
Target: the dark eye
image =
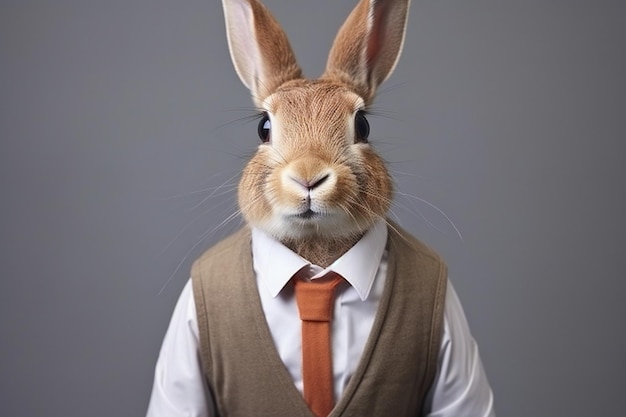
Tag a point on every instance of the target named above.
point(361, 127)
point(264, 128)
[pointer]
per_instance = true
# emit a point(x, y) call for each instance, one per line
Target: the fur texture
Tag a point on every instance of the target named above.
point(313, 185)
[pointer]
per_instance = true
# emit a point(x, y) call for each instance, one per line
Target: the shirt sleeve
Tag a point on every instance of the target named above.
point(460, 388)
point(179, 388)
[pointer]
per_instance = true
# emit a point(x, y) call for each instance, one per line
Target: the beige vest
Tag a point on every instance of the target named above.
point(245, 373)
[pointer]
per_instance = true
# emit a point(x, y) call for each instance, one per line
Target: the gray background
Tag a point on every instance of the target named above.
point(119, 118)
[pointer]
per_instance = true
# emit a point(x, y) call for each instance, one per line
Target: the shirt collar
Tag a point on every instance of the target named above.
point(275, 264)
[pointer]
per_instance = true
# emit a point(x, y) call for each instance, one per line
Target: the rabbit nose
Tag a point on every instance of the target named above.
point(311, 184)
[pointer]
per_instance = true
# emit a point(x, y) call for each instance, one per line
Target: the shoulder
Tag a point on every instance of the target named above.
point(224, 250)
point(230, 257)
point(404, 243)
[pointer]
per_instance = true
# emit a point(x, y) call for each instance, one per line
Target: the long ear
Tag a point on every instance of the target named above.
point(368, 45)
point(259, 48)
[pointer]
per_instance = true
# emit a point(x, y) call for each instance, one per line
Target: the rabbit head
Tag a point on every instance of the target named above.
point(315, 177)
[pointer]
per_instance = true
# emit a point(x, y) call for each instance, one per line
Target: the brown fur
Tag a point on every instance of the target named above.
point(312, 163)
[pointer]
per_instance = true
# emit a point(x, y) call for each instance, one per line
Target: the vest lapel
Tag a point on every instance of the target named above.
point(263, 335)
point(370, 345)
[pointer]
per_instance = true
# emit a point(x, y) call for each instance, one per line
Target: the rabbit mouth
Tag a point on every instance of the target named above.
point(307, 214)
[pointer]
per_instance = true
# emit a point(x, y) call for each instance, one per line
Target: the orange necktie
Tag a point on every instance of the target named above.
point(315, 302)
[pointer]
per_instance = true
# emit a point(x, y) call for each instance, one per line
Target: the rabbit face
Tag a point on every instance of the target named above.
point(315, 174)
point(315, 178)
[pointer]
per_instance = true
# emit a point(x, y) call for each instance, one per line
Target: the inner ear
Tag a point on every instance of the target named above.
point(368, 45)
point(259, 48)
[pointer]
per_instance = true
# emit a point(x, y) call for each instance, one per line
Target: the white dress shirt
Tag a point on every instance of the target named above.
point(460, 388)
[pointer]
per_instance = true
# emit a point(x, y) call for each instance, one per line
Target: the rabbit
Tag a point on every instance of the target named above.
point(315, 197)
point(315, 182)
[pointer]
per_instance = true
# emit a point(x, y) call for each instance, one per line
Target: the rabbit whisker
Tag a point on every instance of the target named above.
point(456, 229)
point(218, 188)
point(201, 240)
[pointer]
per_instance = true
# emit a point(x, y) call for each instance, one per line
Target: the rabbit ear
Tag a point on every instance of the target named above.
point(259, 48)
point(368, 45)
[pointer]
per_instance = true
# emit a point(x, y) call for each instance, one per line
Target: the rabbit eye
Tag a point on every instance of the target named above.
point(361, 127)
point(264, 128)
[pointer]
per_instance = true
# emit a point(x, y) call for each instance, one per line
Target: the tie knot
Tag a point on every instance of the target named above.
point(316, 298)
